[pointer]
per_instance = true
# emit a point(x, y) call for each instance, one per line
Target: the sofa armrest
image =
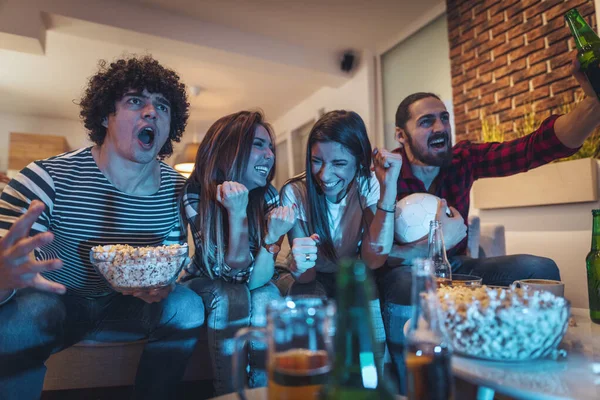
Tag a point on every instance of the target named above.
point(474, 236)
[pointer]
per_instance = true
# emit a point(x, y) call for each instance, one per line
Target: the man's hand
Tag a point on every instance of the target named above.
point(4, 178)
point(304, 252)
point(454, 227)
point(154, 295)
point(582, 79)
point(18, 267)
point(387, 167)
point(280, 221)
point(233, 196)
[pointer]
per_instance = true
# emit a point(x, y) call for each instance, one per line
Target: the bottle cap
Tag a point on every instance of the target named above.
point(596, 212)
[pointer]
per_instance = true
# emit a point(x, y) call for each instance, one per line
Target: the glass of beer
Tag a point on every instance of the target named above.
point(298, 336)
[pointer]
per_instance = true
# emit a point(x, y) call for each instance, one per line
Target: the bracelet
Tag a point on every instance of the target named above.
point(386, 207)
point(10, 296)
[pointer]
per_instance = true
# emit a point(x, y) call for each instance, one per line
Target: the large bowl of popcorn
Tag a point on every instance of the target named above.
point(503, 324)
point(126, 268)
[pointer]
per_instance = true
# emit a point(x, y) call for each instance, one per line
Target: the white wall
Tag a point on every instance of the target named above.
point(358, 94)
point(420, 63)
point(561, 232)
point(72, 130)
point(355, 95)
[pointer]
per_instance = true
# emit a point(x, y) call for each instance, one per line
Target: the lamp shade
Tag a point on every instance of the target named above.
point(185, 161)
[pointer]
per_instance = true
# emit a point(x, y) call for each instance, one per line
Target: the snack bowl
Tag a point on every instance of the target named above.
point(503, 324)
point(126, 268)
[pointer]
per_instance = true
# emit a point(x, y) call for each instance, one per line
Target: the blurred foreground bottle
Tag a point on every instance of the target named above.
point(427, 353)
point(588, 47)
point(356, 373)
point(593, 269)
point(437, 254)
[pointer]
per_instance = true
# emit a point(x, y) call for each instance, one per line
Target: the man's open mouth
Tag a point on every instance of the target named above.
point(438, 141)
point(146, 136)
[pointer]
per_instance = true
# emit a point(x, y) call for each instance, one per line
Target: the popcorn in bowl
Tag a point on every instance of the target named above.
point(503, 324)
point(127, 268)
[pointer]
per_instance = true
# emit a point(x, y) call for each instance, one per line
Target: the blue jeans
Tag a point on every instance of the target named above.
point(35, 324)
point(229, 307)
point(394, 284)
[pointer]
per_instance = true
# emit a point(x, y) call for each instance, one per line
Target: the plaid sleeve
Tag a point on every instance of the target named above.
point(508, 158)
point(271, 199)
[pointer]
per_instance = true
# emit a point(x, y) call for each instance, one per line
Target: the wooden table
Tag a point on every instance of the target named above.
point(260, 394)
point(576, 377)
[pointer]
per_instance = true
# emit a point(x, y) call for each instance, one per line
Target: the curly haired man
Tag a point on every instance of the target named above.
point(116, 191)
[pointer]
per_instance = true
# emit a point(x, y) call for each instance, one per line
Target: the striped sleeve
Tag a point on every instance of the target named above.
point(178, 234)
point(271, 199)
point(32, 183)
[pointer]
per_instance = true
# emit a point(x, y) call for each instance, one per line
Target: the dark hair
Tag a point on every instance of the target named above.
point(223, 156)
point(113, 81)
point(348, 129)
point(403, 112)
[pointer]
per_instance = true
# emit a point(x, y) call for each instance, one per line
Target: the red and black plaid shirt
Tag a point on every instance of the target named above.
point(471, 161)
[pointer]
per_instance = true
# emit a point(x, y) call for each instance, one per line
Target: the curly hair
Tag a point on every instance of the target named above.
point(113, 81)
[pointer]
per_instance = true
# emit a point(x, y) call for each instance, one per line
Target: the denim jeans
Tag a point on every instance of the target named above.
point(394, 284)
point(35, 324)
point(229, 307)
point(322, 286)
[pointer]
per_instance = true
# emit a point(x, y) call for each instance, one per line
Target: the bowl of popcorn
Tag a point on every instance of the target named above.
point(126, 268)
point(503, 324)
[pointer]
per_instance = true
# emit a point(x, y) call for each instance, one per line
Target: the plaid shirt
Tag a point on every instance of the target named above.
point(472, 161)
point(190, 200)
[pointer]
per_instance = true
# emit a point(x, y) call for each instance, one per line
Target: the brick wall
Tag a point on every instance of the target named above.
point(507, 57)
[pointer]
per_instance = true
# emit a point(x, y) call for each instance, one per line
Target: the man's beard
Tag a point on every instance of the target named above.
point(443, 159)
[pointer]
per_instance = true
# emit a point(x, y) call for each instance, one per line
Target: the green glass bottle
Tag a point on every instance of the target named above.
point(588, 47)
point(356, 373)
point(593, 269)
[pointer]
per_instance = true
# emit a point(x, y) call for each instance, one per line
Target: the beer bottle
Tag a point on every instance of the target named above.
point(427, 353)
point(588, 47)
point(437, 254)
point(356, 373)
point(593, 269)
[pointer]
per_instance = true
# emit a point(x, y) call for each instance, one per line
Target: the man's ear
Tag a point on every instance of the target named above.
point(105, 122)
point(400, 136)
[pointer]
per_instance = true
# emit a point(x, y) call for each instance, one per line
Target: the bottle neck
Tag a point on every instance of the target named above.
point(355, 363)
point(437, 248)
point(596, 233)
point(423, 288)
point(583, 34)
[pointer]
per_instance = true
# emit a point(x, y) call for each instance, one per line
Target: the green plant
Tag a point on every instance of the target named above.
point(492, 132)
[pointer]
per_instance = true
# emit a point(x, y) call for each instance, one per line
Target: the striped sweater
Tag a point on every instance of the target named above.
point(83, 209)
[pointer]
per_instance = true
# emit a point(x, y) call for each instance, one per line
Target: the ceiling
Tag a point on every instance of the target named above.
point(328, 24)
point(244, 54)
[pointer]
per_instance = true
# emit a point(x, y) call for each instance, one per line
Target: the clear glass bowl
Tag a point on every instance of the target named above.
point(144, 269)
point(499, 327)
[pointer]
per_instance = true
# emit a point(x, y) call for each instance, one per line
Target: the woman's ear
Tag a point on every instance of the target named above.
point(105, 122)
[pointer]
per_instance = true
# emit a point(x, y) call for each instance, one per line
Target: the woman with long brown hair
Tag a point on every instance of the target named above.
point(237, 227)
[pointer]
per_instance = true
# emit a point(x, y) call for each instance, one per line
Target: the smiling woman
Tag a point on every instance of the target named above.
point(232, 210)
